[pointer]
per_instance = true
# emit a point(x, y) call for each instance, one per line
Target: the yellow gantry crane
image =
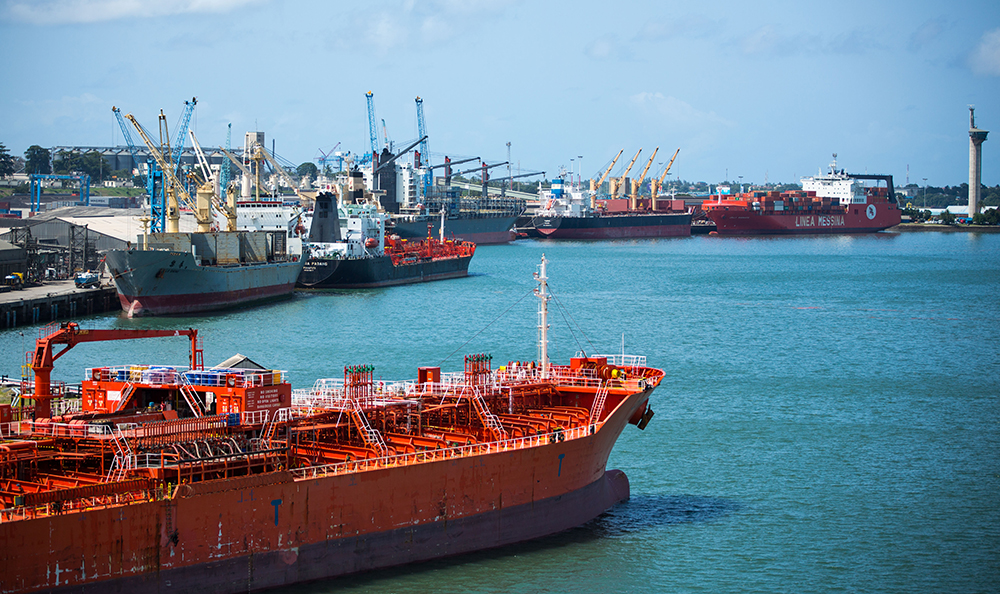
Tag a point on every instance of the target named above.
point(634, 201)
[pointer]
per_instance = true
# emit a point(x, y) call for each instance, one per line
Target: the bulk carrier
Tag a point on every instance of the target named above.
point(571, 214)
point(173, 272)
point(838, 202)
point(182, 273)
point(226, 480)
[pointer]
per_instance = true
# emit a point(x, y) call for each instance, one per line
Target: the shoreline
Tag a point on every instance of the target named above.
point(945, 228)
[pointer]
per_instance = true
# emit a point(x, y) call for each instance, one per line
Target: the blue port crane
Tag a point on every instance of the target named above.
point(424, 154)
point(372, 128)
point(224, 181)
point(182, 134)
point(324, 160)
point(152, 177)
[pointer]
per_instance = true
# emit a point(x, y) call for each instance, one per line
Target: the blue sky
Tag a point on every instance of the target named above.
point(759, 91)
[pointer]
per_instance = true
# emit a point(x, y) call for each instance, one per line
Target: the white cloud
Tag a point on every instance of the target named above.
point(388, 27)
point(985, 59)
point(927, 33)
point(675, 112)
point(600, 49)
point(55, 12)
point(769, 41)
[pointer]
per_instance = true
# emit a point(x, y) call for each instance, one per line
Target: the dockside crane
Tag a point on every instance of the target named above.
point(656, 183)
point(509, 179)
point(448, 164)
point(636, 183)
point(224, 203)
point(182, 133)
point(150, 176)
point(270, 158)
point(619, 182)
point(226, 168)
point(372, 128)
point(424, 154)
point(175, 189)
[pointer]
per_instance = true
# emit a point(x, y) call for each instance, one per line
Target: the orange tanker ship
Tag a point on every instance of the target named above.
point(227, 480)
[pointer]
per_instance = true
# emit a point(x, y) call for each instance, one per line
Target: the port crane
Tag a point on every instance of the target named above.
point(372, 128)
point(151, 175)
point(595, 186)
point(636, 183)
point(225, 169)
point(176, 191)
point(181, 132)
point(656, 183)
point(508, 178)
point(619, 182)
point(70, 334)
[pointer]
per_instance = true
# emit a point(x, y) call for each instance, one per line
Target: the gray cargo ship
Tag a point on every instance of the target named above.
point(182, 273)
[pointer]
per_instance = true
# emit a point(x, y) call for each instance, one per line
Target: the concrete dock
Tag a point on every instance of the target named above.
point(56, 300)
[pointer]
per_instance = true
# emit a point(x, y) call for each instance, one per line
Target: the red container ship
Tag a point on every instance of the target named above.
point(226, 480)
point(834, 203)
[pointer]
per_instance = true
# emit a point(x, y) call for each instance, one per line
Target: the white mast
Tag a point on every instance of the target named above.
point(543, 317)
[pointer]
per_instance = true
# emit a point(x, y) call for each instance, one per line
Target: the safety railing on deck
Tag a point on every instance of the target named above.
point(173, 374)
point(505, 445)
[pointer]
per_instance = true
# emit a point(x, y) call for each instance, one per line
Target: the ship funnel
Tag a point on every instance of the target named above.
point(557, 188)
point(325, 221)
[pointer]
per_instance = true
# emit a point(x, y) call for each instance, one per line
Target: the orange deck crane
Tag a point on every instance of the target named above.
point(656, 183)
point(621, 180)
point(595, 186)
point(70, 334)
point(636, 183)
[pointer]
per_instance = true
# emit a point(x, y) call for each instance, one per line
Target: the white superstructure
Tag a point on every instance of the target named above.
point(837, 185)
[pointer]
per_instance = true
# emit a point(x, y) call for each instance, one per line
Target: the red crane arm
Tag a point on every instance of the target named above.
point(70, 334)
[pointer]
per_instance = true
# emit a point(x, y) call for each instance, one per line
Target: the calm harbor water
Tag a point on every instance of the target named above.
point(829, 419)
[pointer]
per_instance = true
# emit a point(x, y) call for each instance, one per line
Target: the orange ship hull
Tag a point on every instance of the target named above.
point(283, 527)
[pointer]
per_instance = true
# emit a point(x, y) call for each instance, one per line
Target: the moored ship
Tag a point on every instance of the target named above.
point(146, 488)
point(838, 202)
point(349, 249)
point(185, 273)
point(571, 214)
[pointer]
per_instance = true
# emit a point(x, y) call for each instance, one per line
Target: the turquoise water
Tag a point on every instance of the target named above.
point(829, 419)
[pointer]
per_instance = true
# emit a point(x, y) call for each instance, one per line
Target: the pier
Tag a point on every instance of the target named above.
point(54, 301)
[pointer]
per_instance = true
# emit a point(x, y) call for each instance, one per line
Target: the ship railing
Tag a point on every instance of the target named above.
point(235, 377)
point(632, 361)
point(463, 451)
point(253, 417)
point(43, 428)
point(143, 374)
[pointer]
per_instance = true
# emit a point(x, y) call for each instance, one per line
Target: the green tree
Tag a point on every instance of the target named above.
point(947, 218)
point(6, 162)
point(307, 170)
point(37, 159)
point(90, 163)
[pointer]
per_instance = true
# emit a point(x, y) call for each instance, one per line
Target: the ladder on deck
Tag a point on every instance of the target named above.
point(369, 434)
point(490, 420)
point(125, 394)
point(598, 406)
point(124, 457)
point(192, 399)
point(282, 415)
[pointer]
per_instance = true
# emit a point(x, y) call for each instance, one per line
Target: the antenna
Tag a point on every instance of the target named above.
point(543, 317)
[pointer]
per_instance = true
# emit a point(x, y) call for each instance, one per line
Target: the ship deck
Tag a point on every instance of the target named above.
point(112, 455)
